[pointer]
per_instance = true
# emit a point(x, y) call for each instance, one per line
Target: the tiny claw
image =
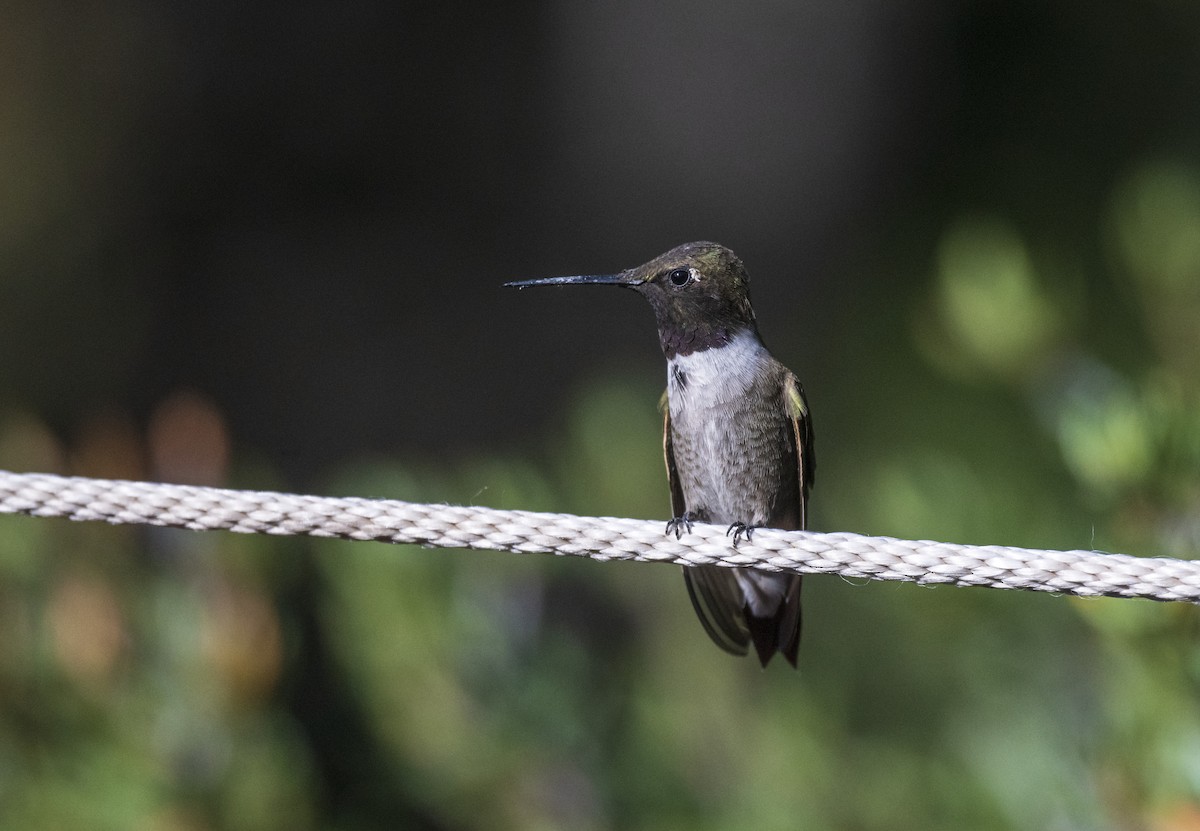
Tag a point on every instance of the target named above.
point(740, 530)
point(679, 525)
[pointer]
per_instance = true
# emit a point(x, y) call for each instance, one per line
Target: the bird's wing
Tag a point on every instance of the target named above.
point(718, 601)
point(714, 591)
point(677, 506)
point(802, 432)
point(783, 631)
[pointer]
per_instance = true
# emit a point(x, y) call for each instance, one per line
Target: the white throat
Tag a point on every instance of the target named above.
point(707, 377)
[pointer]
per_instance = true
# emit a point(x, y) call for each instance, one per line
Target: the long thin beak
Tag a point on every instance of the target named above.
point(622, 279)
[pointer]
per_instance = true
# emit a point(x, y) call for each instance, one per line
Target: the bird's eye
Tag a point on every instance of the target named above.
point(680, 276)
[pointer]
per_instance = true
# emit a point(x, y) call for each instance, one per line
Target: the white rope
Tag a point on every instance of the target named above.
point(1085, 573)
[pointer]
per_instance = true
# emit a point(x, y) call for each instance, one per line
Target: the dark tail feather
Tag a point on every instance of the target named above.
point(779, 632)
point(789, 623)
point(717, 600)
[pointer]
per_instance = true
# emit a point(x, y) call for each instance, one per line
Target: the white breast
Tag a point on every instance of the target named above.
point(713, 378)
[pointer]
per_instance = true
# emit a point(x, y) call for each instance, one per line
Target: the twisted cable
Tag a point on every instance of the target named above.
point(1084, 573)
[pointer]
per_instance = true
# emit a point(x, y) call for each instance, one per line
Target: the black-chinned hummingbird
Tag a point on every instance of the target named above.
point(737, 436)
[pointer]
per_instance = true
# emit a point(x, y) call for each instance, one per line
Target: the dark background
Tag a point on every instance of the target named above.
point(263, 247)
point(306, 211)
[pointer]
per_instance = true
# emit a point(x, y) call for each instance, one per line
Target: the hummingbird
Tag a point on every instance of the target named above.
point(737, 436)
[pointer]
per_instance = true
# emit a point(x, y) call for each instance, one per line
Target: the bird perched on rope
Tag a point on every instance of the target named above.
point(737, 436)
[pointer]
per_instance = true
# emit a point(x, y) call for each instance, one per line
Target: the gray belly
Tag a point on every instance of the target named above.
point(731, 461)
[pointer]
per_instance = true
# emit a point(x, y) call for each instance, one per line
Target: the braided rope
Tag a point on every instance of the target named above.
point(1085, 573)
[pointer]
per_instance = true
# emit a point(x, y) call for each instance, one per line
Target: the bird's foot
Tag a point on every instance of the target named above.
point(681, 525)
point(739, 530)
